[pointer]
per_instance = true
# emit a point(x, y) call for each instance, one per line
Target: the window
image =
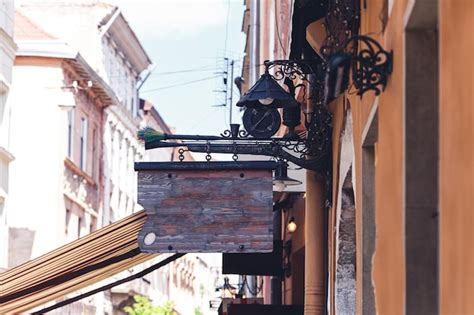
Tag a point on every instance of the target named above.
point(79, 224)
point(83, 157)
point(70, 133)
point(92, 225)
point(68, 218)
point(94, 153)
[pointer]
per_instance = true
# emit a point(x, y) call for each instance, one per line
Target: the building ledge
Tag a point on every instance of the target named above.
point(77, 170)
point(3, 195)
point(5, 155)
point(4, 85)
point(7, 43)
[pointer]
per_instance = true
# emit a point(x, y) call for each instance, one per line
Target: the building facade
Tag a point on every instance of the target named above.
point(110, 46)
point(92, 121)
point(59, 163)
point(7, 57)
point(89, 157)
point(391, 241)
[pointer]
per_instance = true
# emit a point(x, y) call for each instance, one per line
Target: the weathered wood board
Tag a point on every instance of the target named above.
point(206, 206)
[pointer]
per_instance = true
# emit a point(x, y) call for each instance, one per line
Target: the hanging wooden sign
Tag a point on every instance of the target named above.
point(206, 206)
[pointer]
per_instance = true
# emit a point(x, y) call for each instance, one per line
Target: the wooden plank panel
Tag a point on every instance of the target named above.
point(206, 210)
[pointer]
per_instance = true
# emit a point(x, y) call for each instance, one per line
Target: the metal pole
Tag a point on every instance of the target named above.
point(226, 73)
point(276, 293)
point(231, 89)
point(146, 77)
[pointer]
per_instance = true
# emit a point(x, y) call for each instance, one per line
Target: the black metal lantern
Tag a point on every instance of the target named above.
point(266, 92)
point(227, 290)
point(281, 179)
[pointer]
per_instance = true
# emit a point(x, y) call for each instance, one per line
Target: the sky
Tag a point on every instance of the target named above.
point(188, 40)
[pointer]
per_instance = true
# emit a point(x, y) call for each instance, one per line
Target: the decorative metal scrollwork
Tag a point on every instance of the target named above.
point(371, 65)
point(235, 132)
point(318, 142)
point(341, 23)
point(291, 69)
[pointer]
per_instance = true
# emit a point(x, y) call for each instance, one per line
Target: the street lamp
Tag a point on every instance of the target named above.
point(227, 290)
point(371, 66)
point(291, 226)
point(266, 92)
point(281, 179)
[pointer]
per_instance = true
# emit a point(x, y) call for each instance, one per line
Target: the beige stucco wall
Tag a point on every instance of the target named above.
point(388, 269)
point(43, 170)
point(39, 142)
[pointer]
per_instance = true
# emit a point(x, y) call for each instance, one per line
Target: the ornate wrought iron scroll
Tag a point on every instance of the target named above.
point(291, 69)
point(235, 132)
point(371, 65)
point(299, 151)
point(341, 23)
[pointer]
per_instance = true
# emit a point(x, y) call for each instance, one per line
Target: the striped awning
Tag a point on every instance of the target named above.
point(76, 265)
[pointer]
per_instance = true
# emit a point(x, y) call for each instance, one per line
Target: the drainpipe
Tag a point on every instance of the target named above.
point(255, 41)
point(276, 281)
point(315, 228)
point(254, 74)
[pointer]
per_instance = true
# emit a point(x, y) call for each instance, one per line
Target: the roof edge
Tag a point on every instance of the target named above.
point(109, 29)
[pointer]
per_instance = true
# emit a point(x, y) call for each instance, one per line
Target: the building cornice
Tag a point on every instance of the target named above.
point(5, 155)
point(6, 41)
point(119, 31)
point(77, 171)
point(4, 85)
point(61, 50)
point(45, 48)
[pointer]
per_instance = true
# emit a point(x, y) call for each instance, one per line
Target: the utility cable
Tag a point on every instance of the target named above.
point(199, 69)
point(180, 84)
point(190, 82)
point(259, 288)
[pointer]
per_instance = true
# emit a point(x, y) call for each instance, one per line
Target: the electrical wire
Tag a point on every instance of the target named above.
point(199, 69)
point(179, 84)
point(259, 288)
point(190, 82)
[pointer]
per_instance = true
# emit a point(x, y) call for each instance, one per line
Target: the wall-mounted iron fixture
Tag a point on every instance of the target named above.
point(227, 290)
point(281, 179)
point(236, 142)
point(371, 66)
point(342, 53)
point(287, 258)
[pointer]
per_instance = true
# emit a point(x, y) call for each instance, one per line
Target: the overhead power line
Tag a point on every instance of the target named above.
point(190, 82)
point(180, 84)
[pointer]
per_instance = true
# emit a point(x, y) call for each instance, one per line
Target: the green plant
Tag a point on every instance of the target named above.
point(143, 306)
point(197, 311)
